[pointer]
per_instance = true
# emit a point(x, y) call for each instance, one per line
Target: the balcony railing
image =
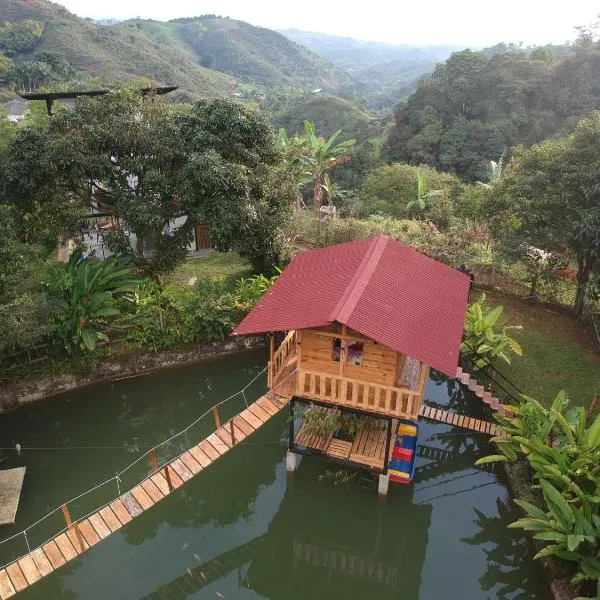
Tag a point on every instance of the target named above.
point(362, 395)
point(280, 357)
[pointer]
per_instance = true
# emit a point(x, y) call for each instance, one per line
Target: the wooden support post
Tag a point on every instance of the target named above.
point(216, 417)
point(153, 461)
point(232, 432)
point(291, 442)
point(71, 526)
point(271, 345)
point(168, 478)
point(386, 456)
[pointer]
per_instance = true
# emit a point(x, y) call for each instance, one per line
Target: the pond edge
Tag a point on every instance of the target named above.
point(124, 365)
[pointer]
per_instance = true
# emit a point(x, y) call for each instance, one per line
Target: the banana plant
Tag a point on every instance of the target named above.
point(89, 287)
point(481, 337)
point(420, 202)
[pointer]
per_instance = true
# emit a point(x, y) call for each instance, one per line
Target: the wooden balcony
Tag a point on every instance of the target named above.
point(370, 397)
point(291, 372)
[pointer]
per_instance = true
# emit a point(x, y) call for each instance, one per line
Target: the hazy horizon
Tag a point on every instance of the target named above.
point(463, 23)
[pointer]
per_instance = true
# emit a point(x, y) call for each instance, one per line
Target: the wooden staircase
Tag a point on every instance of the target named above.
point(480, 391)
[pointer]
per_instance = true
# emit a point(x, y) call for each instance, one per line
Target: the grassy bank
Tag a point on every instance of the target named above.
point(558, 352)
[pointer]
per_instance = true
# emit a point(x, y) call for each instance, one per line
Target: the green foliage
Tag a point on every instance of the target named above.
point(482, 338)
point(163, 318)
point(89, 288)
point(563, 452)
point(26, 309)
point(475, 105)
point(251, 289)
point(549, 198)
point(323, 423)
point(390, 190)
point(423, 195)
point(329, 112)
point(17, 37)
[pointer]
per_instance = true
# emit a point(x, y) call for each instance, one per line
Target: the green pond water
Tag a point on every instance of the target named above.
point(243, 528)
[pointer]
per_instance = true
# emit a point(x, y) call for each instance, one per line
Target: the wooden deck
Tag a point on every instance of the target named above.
point(67, 546)
point(367, 449)
point(11, 484)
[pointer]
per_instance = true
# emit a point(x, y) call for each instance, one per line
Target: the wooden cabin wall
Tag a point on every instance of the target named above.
point(379, 363)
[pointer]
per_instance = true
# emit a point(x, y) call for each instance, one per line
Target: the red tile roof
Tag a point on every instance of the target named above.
point(378, 287)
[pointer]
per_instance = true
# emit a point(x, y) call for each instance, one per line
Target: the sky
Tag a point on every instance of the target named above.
point(474, 23)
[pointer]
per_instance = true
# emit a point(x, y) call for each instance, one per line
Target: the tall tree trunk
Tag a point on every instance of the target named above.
point(317, 191)
point(585, 262)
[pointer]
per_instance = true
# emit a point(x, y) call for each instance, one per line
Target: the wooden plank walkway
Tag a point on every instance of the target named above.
point(42, 561)
point(452, 418)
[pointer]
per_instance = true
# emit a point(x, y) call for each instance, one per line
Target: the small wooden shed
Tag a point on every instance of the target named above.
point(364, 323)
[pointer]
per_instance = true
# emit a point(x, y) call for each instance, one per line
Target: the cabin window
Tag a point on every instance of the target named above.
point(337, 349)
point(355, 354)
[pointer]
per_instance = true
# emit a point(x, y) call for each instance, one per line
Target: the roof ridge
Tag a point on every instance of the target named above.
point(359, 281)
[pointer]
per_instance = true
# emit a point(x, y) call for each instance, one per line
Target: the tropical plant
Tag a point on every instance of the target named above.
point(420, 201)
point(481, 341)
point(250, 290)
point(88, 288)
point(321, 156)
point(333, 190)
point(564, 455)
point(573, 532)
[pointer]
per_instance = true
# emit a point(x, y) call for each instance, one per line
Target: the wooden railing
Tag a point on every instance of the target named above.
point(281, 356)
point(362, 395)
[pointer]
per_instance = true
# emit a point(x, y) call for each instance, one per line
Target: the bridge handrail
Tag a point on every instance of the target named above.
point(117, 477)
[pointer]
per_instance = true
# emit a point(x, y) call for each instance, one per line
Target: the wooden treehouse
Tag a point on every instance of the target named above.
point(362, 325)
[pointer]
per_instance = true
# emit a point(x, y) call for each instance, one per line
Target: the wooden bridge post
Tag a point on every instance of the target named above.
point(153, 461)
point(216, 417)
point(168, 478)
point(71, 526)
point(232, 432)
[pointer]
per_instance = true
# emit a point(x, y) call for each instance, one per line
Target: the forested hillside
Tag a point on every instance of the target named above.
point(331, 113)
point(478, 105)
point(204, 56)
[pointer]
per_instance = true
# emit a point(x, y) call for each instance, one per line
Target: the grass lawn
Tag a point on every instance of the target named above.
point(229, 266)
point(558, 352)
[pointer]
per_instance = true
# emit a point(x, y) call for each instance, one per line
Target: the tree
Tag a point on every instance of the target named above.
point(161, 172)
point(550, 195)
point(20, 37)
point(321, 156)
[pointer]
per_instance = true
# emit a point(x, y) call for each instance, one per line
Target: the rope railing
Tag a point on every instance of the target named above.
point(491, 371)
point(118, 478)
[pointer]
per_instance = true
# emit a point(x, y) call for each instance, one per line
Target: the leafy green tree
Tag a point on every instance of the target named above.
point(215, 163)
point(476, 104)
point(549, 195)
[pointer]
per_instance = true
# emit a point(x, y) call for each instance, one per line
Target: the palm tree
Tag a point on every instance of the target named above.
point(322, 155)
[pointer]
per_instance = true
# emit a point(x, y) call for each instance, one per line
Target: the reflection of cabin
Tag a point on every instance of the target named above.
point(365, 321)
point(308, 553)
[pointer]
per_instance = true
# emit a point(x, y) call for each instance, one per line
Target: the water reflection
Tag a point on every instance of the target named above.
point(507, 574)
